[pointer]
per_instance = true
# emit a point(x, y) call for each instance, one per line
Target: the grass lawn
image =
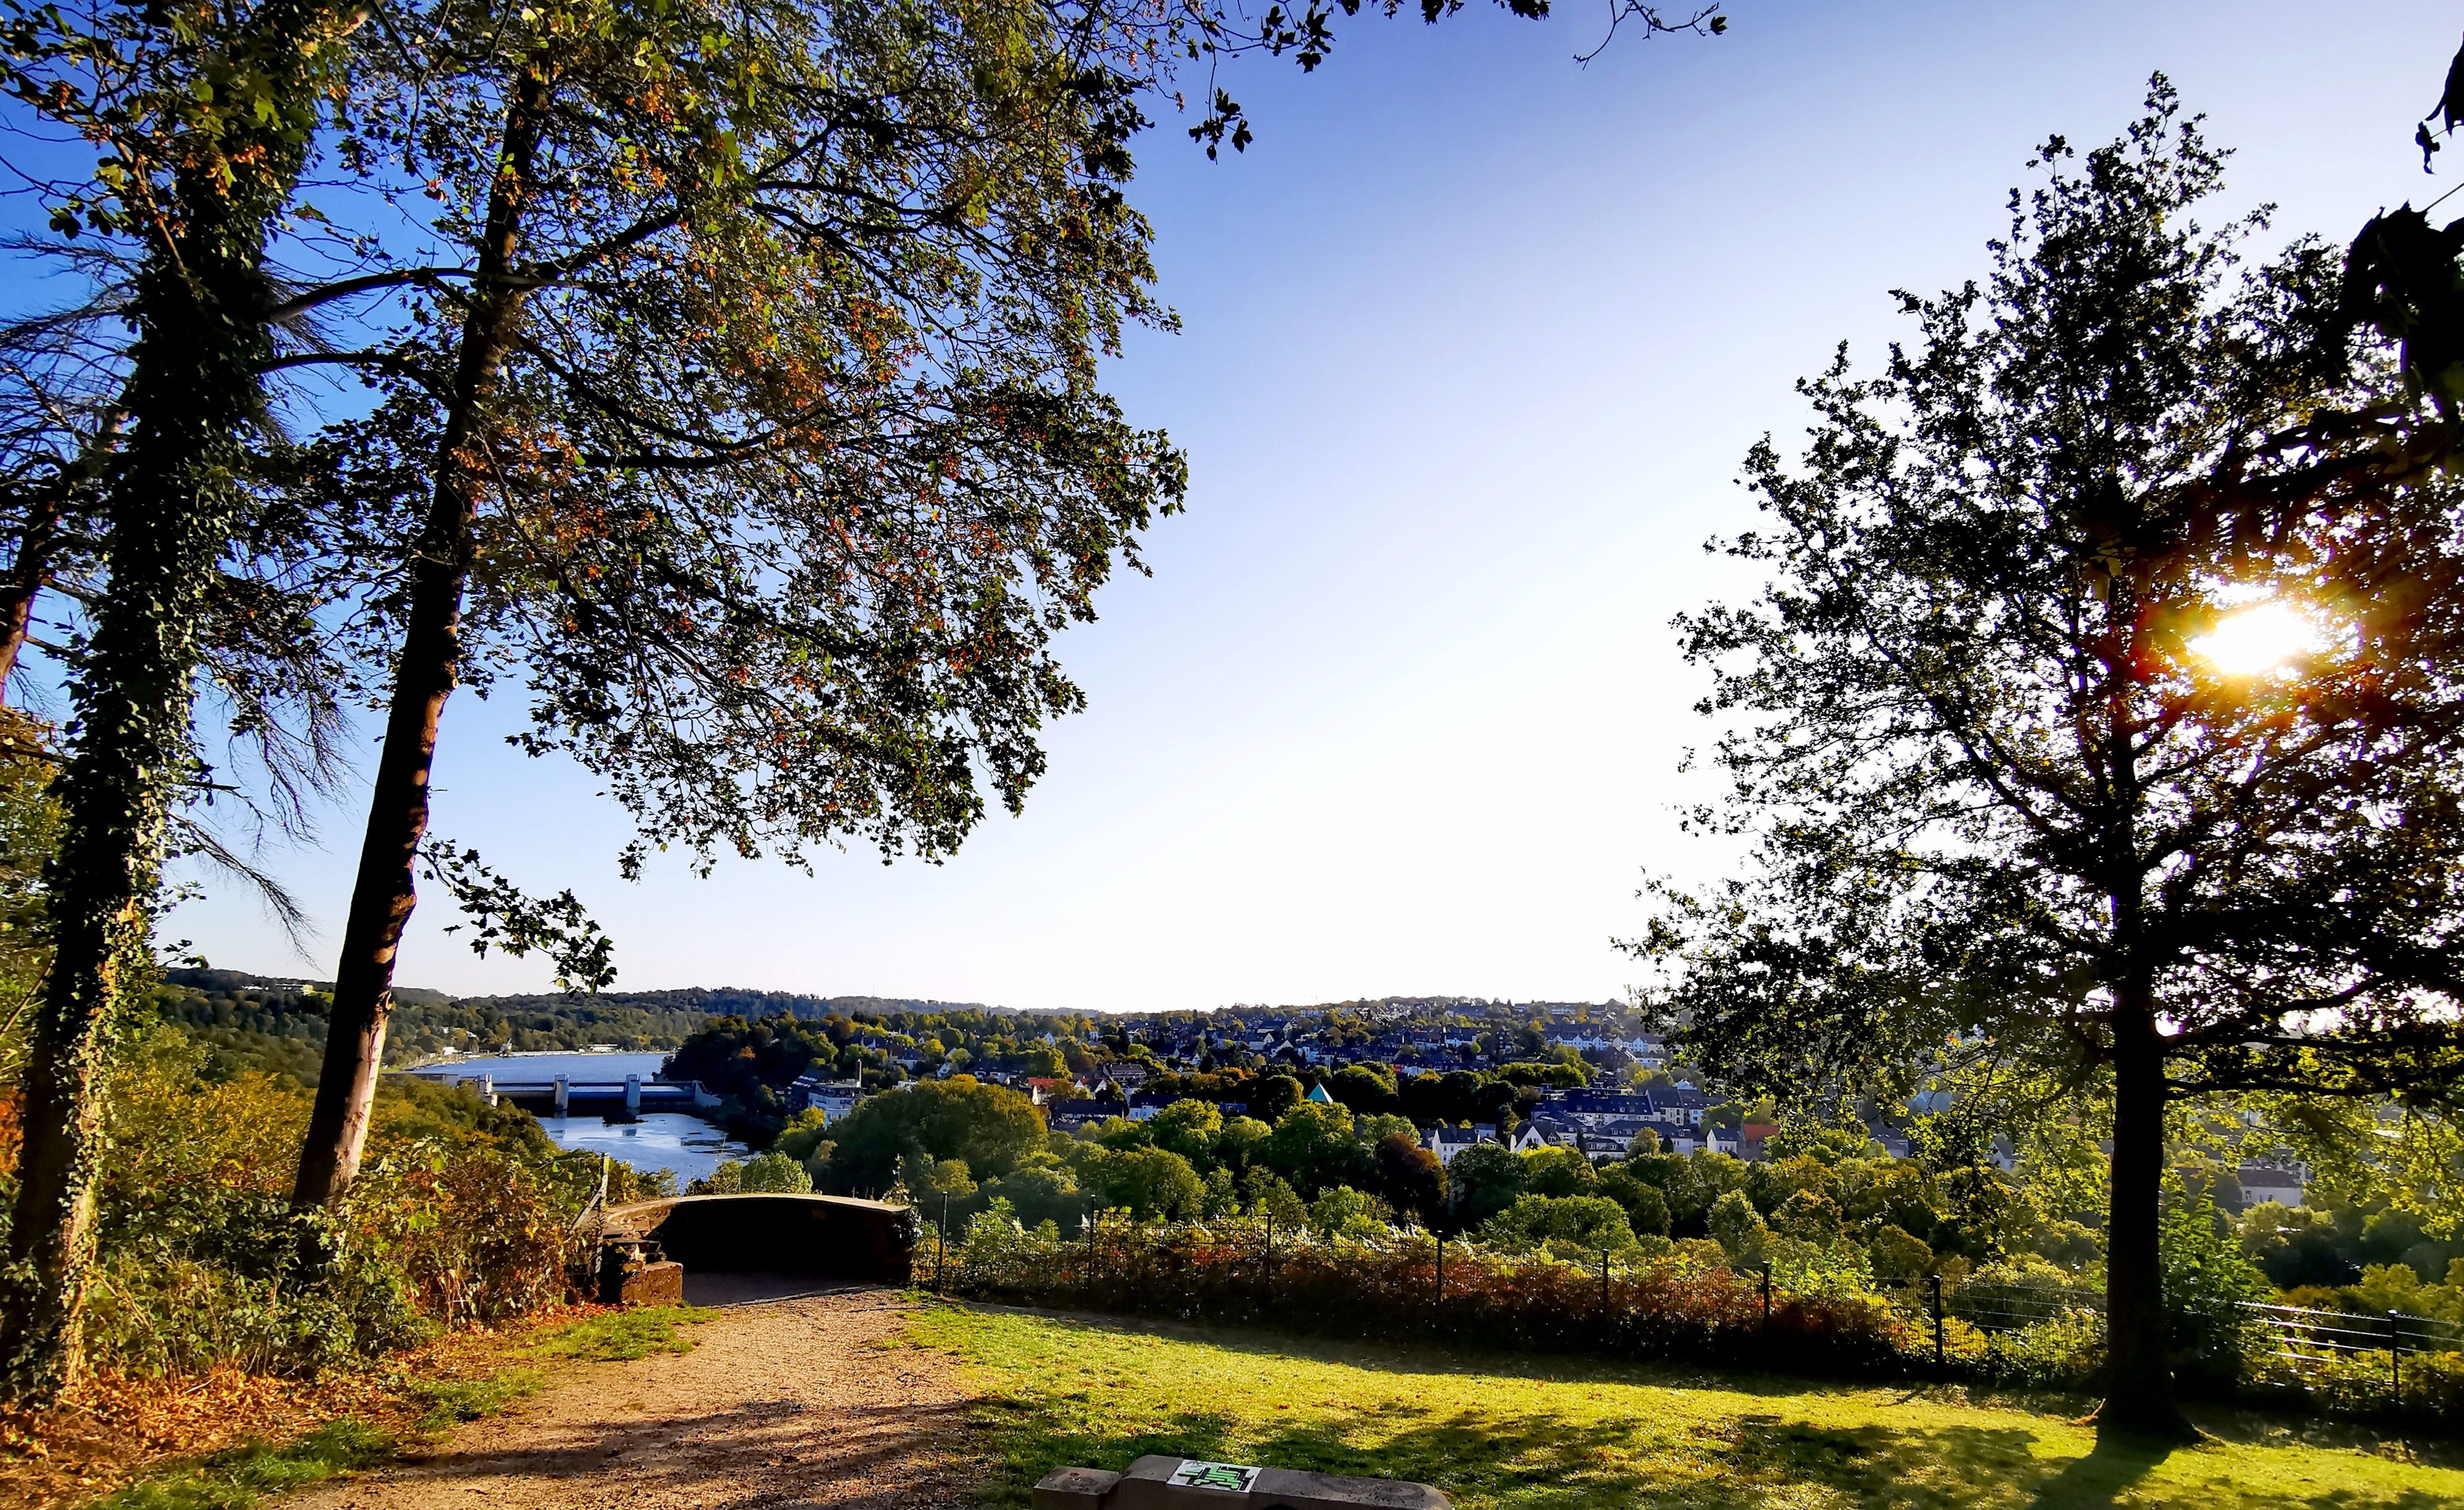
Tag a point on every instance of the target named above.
point(1497, 1432)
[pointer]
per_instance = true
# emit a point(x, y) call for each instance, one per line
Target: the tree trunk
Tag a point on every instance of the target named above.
point(171, 510)
point(26, 576)
point(2139, 1369)
point(385, 891)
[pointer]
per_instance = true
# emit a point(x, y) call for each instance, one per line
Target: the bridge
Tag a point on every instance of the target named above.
point(831, 1236)
point(565, 1094)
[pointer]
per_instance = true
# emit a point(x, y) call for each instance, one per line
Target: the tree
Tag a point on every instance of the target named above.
point(992, 1127)
point(1738, 1228)
point(1190, 1128)
point(204, 135)
point(1409, 1176)
point(1147, 1183)
point(1558, 1172)
point(774, 1173)
point(1314, 1146)
point(1273, 1096)
point(1589, 1222)
point(767, 384)
point(1363, 1088)
point(1482, 1181)
point(2014, 798)
point(1646, 1206)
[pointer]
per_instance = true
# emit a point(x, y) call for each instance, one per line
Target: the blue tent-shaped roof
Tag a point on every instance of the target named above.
point(1317, 1093)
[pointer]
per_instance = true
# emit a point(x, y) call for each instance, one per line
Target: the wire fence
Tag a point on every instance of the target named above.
point(1691, 1304)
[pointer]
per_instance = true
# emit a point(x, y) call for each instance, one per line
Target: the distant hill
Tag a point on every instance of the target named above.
point(731, 1002)
point(277, 1024)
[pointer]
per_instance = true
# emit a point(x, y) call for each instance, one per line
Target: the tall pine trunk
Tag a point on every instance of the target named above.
point(385, 891)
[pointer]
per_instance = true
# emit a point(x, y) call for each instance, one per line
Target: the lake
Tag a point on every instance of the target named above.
point(662, 1140)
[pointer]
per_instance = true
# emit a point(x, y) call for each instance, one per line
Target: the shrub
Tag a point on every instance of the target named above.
point(2063, 1353)
point(459, 1216)
point(1584, 1223)
point(2206, 1278)
point(1247, 1270)
point(1345, 1213)
point(774, 1173)
point(1738, 1228)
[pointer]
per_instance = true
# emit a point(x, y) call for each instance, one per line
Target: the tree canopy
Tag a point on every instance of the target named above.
point(2015, 799)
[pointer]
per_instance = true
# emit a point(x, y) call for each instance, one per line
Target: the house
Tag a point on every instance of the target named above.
point(2282, 1181)
point(1129, 1077)
point(1680, 1103)
point(1317, 1093)
point(1555, 1130)
point(1529, 1138)
point(1592, 1108)
point(1147, 1104)
point(1069, 1116)
point(1446, 1141)
point(834, 1098)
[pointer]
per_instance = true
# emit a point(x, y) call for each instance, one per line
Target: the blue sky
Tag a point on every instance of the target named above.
point(1474, 338)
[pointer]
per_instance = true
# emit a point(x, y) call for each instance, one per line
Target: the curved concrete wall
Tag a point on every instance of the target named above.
point(835, 1235)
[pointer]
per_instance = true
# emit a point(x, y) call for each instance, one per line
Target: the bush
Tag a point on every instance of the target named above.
point(2207, 1280)
point(2063, 1353)
point(1738, 1228)
point(1584, 1223)
point(459, 1216)
point(1249, 1270)
point(774, 1173)
point(1345, 1213)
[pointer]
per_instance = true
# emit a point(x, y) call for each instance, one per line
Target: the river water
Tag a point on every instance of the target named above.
point(662, 1140)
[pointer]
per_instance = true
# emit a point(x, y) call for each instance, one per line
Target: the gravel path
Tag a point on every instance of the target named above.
point(782, 1403)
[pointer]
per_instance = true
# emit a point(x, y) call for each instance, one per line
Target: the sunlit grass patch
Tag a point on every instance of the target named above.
point(620, 1336)
point(1510, 1433)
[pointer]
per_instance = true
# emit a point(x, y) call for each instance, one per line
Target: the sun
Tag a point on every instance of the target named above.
point(2257, 639)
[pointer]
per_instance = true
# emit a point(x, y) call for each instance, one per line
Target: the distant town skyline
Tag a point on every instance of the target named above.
point(1474, 340)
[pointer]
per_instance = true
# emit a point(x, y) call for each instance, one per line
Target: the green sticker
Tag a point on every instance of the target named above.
point(1228, 1477)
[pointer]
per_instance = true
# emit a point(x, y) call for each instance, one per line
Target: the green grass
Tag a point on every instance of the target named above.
point(1510, 1433)
point(622, 1336)
point(236, 1478)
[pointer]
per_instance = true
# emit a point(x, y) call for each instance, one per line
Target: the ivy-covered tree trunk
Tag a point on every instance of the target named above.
point(175, 498)
point(385, 891)
point(170, 512)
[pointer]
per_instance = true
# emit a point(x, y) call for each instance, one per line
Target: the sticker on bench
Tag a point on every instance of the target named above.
point(1231, 1477)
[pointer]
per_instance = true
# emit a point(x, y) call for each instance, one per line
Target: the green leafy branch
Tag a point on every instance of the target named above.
point(503, 916)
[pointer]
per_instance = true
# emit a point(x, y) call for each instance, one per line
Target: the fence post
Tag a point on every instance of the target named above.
point(2395, 1362)
point(1766, 1267)
point(1933, 1285)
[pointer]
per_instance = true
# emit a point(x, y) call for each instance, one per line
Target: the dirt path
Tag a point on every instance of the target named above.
point(783, 1402)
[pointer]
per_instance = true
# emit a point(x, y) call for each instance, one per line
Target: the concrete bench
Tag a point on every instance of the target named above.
point(1181, 1483)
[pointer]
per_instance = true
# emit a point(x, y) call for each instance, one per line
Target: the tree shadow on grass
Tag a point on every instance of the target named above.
point(2119, 1460)
point(1520, 1453)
